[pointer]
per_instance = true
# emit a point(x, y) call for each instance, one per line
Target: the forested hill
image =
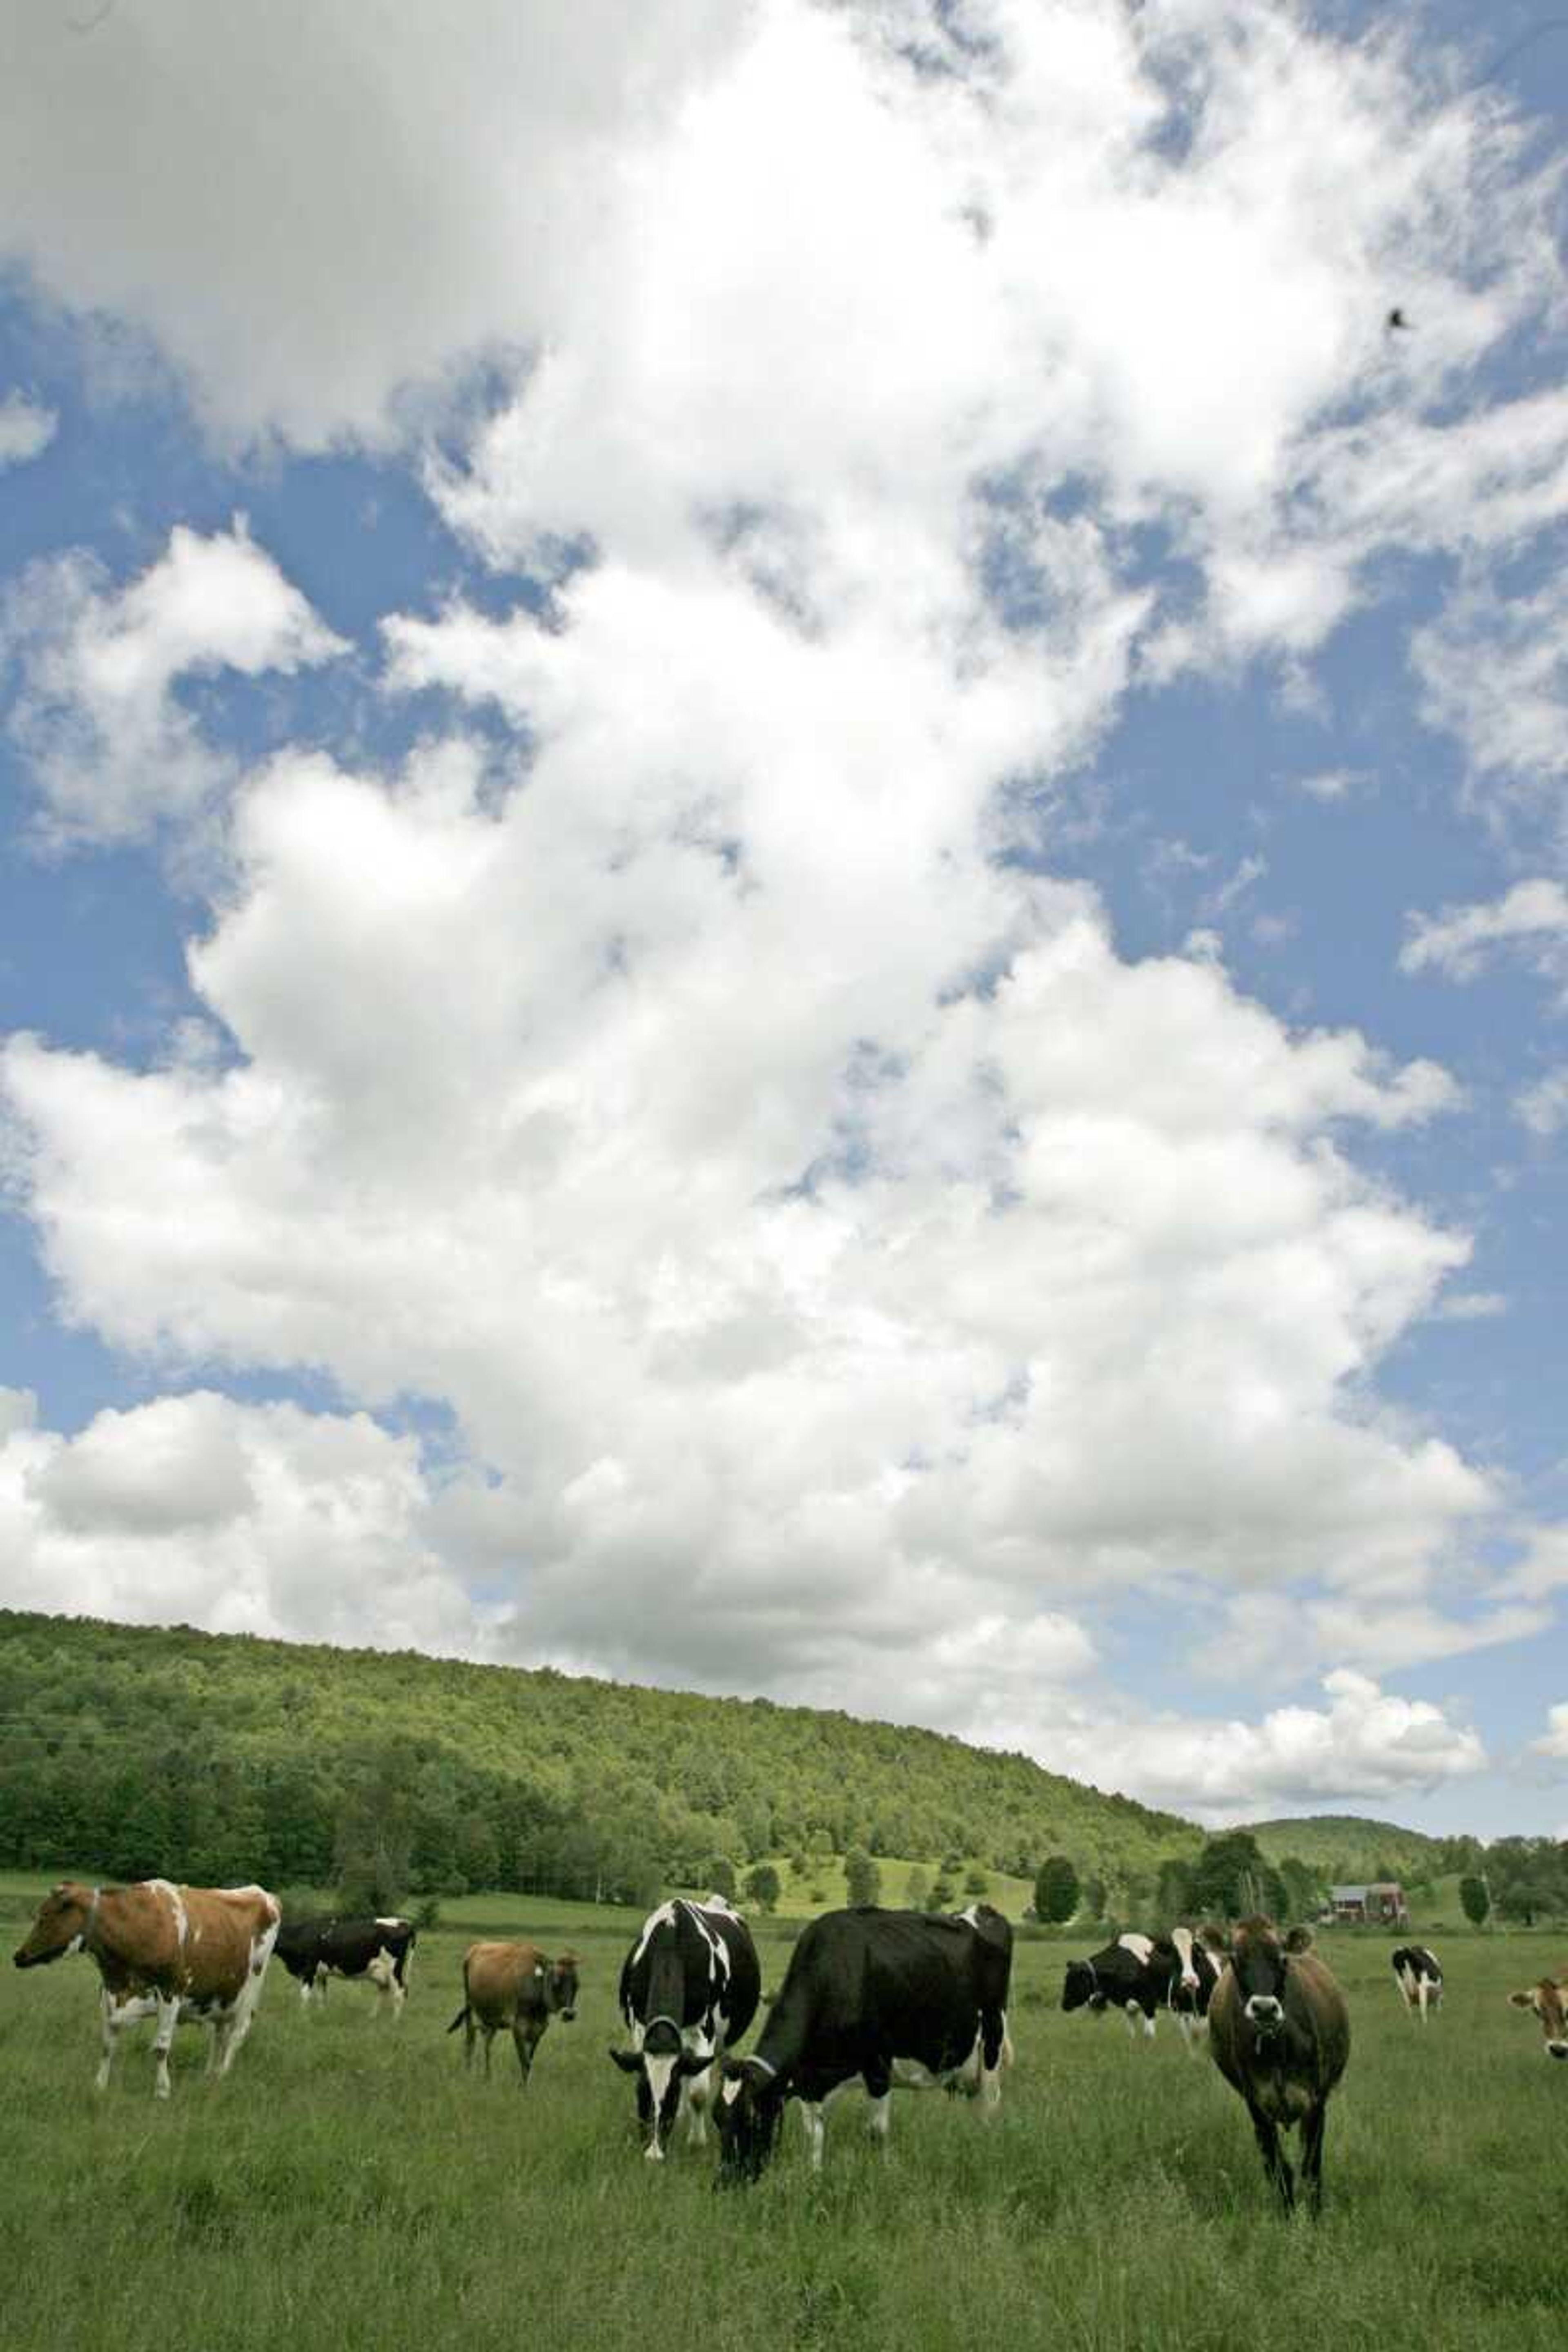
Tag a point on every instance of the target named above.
point(1349, 1850)
point(134, 1749)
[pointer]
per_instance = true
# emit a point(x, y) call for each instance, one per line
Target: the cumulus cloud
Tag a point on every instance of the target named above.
point(1543, 1107)
point(112, 749)
point(1553, 1741)
point(1366, 1745)
point(26, 428)
point(798, 1203)
point(246, 1519)
point(1532, 917)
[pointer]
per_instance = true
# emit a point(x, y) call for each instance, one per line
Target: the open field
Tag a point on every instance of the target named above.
point(348, 2186)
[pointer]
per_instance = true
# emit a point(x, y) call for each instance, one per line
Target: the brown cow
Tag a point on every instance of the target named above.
point(1280, 2035)
point(517, 1987)
point(1546, 1999)
point(196, 1952)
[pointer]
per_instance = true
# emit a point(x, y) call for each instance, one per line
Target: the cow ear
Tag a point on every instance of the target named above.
point(734, 2070)
point(1299, 1939)
point(692, 2061)
point(628, 2061)
point(1521, 2000)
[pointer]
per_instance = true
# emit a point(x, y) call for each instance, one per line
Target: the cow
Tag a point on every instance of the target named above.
point(910, 1999)
point(1279, 2032)
point(1419, 1978)
point(196, 1952)
point(519, 1987)
point(380, 1949)
point(1134, 1974)
point(1547, 2000)
point(1199, 1960)
point(689, 1990)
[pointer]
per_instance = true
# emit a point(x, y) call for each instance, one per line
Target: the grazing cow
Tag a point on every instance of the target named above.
point(1419, 1978)
point(1279, 2032)
point(1135, 1974)
point(1199, 1960)
point(688, 1990)
point(1547, 2000)
point(194, 1952)
point(899, 1998)
point(518, 1987)
point(380, 1949)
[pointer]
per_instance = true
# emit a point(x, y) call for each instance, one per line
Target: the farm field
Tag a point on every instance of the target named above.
point(347, 2186)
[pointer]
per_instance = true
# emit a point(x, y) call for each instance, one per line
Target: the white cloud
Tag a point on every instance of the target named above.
point(1367, 1744)
point(1532, 915)
point(246, 1519)
point(26, 428)
point(1543, 1107)
point(1494, 668)
point(1553, 1741)
point(112, 749)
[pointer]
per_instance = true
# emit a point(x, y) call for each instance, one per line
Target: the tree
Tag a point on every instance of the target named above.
point(862, 1879)
point(940, 1895)
point(763, 1885)
point(1232, 1880)
point(1056, 1890)
point(1475, 1901)
point(976, 1883)
point(721, 1876)
point(1094, 1898)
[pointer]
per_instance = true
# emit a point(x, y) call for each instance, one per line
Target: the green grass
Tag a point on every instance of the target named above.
point(348, 2186)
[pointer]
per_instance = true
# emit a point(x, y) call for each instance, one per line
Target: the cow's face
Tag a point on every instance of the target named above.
point(661, 2065)
point(751, 2102)
point(1079, 1985)
point(1260, 1962)
point(561, 1987)
point(1546, 1999)
point(62, 1922)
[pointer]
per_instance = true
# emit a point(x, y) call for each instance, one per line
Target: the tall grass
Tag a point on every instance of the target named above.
point(348, 2186)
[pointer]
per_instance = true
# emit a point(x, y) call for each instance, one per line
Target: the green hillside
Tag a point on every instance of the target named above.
point(133, 1750)
point(1349, 1850)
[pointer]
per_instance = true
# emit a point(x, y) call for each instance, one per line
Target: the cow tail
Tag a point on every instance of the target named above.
point(461, 2018)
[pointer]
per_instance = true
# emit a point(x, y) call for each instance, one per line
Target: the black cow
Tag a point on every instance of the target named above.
point(1419, 1978)
point(1279, 2032)
point(1135, 1975)
point(314, 1949)
point(689, 1986)
point(895, 1998)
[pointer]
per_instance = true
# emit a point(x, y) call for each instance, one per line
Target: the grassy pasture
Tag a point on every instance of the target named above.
point(347, 2187)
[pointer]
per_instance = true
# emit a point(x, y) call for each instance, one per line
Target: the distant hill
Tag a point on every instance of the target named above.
point(1349, 1850)
point(134, 1749)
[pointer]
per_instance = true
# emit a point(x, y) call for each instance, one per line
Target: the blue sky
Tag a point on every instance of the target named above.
point(783, 899)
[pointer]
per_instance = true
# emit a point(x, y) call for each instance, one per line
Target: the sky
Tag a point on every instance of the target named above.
point(784, 893)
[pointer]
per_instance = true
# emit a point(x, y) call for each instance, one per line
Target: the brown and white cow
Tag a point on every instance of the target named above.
point(515, 1989)
point(198, 1953)
point(1549, 2000)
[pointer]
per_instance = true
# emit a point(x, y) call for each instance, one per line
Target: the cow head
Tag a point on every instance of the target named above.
point(1080, 1985)
point(1260, 1962)
point(561, 1987)
point(661, 2065)
point(64, 1917)
point(751, 2102)
point(1546, 1999)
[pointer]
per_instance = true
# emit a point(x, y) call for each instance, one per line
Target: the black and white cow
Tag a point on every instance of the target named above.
point(897, 1999)
point(1135, 1974)
point(1419, 1978)
point(1199, 1963)
point(689, 1988)
point(314, 1949)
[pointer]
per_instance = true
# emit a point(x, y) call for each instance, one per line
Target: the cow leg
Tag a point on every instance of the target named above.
point(1276, 2163)
point(879, 2079)
point(168, 2017)
point(811, 2118)
point(698, 2096)
point(1133, 2013)
point(992, 2054)
point(522, 2042)
point(1312, 2124)
point(489, 2037)
point(109, 2039)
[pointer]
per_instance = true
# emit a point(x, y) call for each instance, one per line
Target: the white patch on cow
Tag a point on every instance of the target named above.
point(731, 2093)
point(655, 1919)
point(1141, 1946)
point(910, 2075)
point(811, 2117)
point(658, 2072)
point(1182, 1939)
